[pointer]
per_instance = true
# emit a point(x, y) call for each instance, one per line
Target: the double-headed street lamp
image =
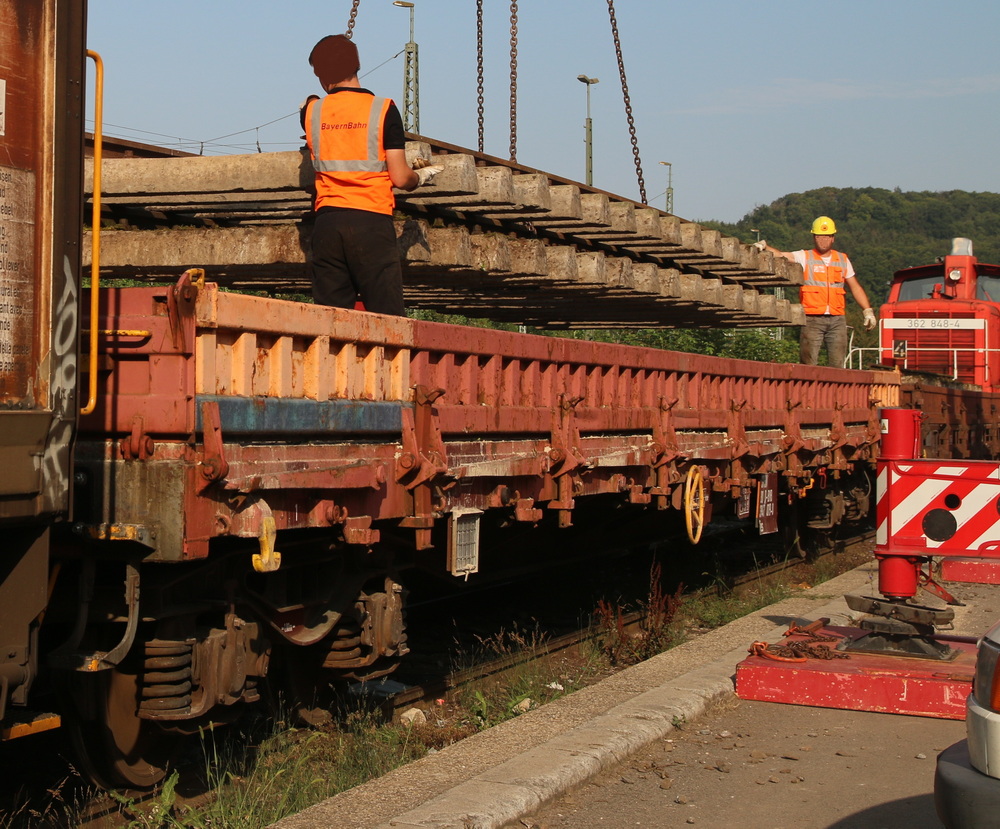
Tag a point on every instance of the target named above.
point(588, 127)
point(411, 78)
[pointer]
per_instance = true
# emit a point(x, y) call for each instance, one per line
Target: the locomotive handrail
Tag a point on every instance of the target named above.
point(95, 226)
point(954, 351)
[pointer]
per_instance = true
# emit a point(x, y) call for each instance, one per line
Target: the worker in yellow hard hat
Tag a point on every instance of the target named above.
point(825, 275)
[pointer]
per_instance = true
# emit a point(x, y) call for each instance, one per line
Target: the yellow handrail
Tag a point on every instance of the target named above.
point(95, 229)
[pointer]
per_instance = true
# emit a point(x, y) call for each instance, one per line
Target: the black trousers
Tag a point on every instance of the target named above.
point(355, 256)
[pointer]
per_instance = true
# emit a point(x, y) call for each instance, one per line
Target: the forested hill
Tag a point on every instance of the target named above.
point(881, 230)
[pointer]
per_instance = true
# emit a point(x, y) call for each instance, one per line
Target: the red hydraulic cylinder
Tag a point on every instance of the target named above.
point(900, 434)
point(897, 574)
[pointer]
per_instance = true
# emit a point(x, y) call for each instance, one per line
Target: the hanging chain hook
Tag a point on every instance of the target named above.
point(513, 81)
point(479, 53)
point(350, 23)
point(628, 102)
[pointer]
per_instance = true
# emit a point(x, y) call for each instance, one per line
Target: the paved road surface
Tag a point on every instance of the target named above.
point(760, 765)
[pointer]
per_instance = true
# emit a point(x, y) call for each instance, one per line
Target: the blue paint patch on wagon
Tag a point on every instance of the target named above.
point(275, 415)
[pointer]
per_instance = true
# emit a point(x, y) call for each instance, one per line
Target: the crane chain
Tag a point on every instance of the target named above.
point(350, 23)
point(513, 81)
point(628, 102)
point(479, 52)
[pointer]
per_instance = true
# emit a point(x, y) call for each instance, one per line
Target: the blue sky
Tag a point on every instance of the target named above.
point(747, 101)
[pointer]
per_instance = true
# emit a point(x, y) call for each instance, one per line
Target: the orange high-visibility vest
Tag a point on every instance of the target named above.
point(348, 155)
point(822, 289)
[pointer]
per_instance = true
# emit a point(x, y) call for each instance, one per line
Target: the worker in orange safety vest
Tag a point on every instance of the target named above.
point(825, 274)
point(358, 149)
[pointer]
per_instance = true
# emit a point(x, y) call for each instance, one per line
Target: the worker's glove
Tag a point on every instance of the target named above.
point(760, 244)
point(870, 321)
point(425, 174)
point(302, 109)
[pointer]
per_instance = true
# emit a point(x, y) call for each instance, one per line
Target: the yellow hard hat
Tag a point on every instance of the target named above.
point(824, 226)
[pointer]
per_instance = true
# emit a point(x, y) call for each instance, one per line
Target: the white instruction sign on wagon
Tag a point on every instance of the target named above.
point(17, 268)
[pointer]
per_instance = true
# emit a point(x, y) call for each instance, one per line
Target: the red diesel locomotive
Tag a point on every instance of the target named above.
point(940, 328)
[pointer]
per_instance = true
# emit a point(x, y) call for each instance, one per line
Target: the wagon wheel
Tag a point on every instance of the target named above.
point(694, 503)
point(114, 746)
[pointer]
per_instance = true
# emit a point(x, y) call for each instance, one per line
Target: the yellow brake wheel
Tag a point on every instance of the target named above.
point(694, 503)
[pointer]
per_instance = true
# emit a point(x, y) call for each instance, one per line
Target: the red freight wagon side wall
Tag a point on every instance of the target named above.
point(342, 417)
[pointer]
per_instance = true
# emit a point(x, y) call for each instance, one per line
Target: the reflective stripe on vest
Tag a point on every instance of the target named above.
point(822, 289)
point(344, 134)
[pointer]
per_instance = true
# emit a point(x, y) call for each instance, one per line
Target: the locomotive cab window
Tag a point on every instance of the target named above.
point(918, 288)
point(988, 287)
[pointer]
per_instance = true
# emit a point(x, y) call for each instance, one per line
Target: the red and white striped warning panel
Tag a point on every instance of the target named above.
point(935, 507)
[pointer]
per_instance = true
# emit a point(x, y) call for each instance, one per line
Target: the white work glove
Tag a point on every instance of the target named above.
point(760, 244)
point(425, 174)
point(870, 321)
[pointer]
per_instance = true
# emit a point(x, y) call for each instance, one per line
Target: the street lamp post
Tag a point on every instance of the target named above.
point(670, 185)
point(411, 78)
point(588, 130)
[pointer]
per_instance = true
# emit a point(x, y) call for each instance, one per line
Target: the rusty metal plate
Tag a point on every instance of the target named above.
point(767, 504)
point(24, 47)
point(18, 292)
point(41, 146)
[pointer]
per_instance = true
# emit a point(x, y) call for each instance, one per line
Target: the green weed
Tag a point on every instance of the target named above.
point(657, 631)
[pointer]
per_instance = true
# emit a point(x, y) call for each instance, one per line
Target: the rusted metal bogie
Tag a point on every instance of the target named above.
point(369, 641)
point(187, 679)
point(833, 499)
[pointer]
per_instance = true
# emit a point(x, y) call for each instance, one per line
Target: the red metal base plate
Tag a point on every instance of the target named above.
point(971, 570)
point(865, 682)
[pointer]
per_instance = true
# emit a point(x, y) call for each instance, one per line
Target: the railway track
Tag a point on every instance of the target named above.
point(103, 812)
point(632, 622)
